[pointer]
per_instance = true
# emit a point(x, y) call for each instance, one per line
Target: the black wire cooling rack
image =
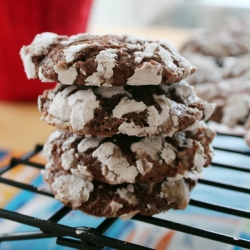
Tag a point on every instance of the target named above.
point(94, 238)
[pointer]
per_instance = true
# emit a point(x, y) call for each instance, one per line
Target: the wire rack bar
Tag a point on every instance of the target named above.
point(25, 187)
point(242, 152)
point(224, 185)
point(219, 208)
point(15, 161)
point(229, 135)
point(85, 233)
point(36, 150)
point(60, 214)
point(26, 236)
point(106, 224)
point(76, 244)
point(195, 231)
point(221, 165)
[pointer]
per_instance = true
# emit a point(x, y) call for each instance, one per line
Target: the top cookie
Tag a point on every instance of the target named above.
point(108, 60)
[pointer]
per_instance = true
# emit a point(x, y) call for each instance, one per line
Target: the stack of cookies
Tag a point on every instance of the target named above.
point(222, 55)
point(131, 136)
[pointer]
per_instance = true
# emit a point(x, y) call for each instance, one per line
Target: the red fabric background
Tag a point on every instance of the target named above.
point(20, 21)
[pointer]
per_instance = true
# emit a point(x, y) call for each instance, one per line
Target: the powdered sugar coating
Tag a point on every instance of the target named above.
point(157, 149)
point(133, 39)
point(82, 172)
point(110, 92)
point(106, 63)
point(68, 159)
point(29, 66)
point(129, 215)
point(155, 49)
point(147, 74)
point(144, 166)
point(115, 168)
point(41, 75)
point(126, 106)
point(180, 193)
point(237, 109)
point(66, 76)
point(67, 144)
point(74, 194)
point(185, 91)
point(89, 142)
point(134, 46)
point(155, 119)
point(76, 38)
point(148, 146)
point(115, 206)
point(71, 52)
point(199, 159)
point(125, 194)
point(59, 107)
point(104, 60)
point(42, 43)
point(209, 110)
point(74, 108)
point(178, 176)
point(168, 153)
point(47, 151)
point(175, 120)
point(39, 47)
point(82, 103)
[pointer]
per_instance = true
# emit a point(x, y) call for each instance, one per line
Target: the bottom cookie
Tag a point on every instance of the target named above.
point(124, 201)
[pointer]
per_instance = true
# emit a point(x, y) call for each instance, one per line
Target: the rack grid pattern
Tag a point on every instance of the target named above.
point(94, 238)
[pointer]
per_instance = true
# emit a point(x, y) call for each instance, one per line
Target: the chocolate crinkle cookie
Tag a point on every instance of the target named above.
point(228, 87)
point(222, 57)
point(136, 111)
point(129, 159)
point(125, 200)
point(109, 60)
